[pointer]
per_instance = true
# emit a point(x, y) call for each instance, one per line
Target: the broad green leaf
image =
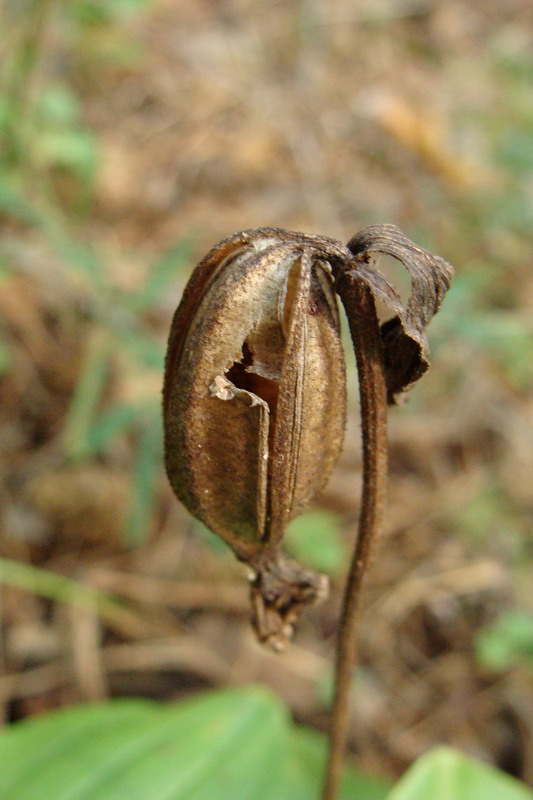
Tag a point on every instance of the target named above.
point(32, 750)
point(447, 774)
point(227, 745)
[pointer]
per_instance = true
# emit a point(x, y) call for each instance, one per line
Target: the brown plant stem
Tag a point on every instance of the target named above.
point(364, 328)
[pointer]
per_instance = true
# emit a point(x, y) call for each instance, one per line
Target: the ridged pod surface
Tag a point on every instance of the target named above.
point(255, 395)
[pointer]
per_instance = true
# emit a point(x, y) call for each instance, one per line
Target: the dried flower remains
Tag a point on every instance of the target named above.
point(255, 389)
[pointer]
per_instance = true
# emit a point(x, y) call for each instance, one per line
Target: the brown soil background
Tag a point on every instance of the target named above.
point(211, 117)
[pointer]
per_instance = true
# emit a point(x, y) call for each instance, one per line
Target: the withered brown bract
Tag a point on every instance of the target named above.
point(254, 395)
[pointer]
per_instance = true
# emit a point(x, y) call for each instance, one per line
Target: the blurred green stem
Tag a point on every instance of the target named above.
point(87, 395)
point(22, 76)
point(54, 586)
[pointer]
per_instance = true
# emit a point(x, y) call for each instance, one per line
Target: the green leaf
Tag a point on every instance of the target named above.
point(507, 641)
point(514, 151)
point(93, 12)
point(227, 745)
point(315, 539)
point(447, 774)
point(12, 202)
point(73, 149)
point(59, 105)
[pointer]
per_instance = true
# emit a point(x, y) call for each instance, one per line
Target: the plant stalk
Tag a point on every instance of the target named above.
point(364, 328)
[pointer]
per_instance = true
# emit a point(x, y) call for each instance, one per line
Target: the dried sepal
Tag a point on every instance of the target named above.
point(405, 345)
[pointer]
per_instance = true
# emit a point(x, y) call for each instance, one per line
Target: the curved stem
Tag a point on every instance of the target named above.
point(364, 328)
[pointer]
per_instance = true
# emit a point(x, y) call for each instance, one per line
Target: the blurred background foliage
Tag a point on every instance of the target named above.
point(133, 136)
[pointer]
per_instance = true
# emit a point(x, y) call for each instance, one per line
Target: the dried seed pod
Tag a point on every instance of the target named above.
point(254, 404)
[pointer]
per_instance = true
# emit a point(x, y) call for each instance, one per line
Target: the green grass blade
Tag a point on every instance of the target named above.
point(162, 273)
point(149, 458)
point(111, 423)
point(54, 586)
point(5, 358)
point(87, 395)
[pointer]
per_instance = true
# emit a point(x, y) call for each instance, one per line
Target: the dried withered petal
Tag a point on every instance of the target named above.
point(404, 340)
point(254, 403)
